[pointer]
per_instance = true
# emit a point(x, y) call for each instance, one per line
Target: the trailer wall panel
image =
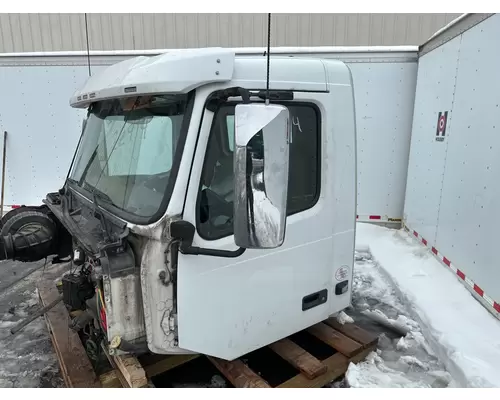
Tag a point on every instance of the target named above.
point(470, 216)
point(42, 129)
point(464, 227)
point(434, 93)
point(384, 94)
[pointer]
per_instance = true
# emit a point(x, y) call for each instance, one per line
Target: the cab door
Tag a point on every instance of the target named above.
point(230, 306)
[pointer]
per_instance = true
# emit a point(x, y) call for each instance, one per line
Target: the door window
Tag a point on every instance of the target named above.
point(215, 201)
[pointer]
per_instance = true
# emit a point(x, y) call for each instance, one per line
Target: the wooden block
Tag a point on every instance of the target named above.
point(74, 363)
point(306, 363)
point(167, 363)
point(335, 339)
point(110, 380)
point(239, 374)
point(337, 366)
point(354, 332)
point(131, 370)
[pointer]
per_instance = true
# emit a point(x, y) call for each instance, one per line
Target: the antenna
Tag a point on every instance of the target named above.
point(268, 55)
point(88, 47)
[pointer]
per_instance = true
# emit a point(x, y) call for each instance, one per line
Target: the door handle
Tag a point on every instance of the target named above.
point(314, 299)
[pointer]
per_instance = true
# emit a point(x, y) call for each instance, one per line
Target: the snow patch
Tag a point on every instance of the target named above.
point(374, 373)
point(343, 318)
point(402, 344)
point(402, 358)
point(411, 360)
point(464, 335)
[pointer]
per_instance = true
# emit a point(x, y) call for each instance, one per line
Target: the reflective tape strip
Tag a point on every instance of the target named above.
point(463, 278)
point(381, 218)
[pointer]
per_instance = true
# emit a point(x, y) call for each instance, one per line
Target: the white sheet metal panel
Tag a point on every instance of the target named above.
point(384, 94)
point(435, 91)
point(470, 215)
point(58, 31)
point(42, 128)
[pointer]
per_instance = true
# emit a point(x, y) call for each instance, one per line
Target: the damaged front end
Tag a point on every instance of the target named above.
point(110, 270)
point(109, 222)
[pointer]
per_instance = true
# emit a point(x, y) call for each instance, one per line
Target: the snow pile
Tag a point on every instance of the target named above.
point(403, 358)
point(464, 335)
point(343, 318)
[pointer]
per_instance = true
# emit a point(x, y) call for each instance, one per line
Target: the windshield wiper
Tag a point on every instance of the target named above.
point(100, 195)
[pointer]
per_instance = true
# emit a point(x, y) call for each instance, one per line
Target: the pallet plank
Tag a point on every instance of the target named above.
point(166, 363)
point(354, 332)
point(335, 339)
point(337, 366)
point(239, 374)
point(110, 380)
point(129, 370)
point(74, 363)
point(309, 365)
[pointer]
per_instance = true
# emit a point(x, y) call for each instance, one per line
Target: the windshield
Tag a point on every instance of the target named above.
point(128, 152)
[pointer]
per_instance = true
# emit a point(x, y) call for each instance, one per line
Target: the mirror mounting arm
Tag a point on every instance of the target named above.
point(183, 231)
point(221, 96)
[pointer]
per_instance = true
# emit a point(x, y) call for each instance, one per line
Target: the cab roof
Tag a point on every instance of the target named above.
point(180, 71)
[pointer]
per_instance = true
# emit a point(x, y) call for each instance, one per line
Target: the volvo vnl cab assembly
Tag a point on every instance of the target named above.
point(206, 209)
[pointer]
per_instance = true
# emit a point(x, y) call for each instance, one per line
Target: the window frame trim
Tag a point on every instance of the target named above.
point(319, 149)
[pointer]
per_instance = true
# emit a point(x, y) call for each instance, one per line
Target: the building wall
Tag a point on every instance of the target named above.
point(58, 32)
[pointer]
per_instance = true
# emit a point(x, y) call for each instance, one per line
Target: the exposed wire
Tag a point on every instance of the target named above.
point(268, 55)
point(88, 47)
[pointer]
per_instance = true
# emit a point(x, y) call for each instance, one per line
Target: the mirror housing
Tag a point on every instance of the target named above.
point(262, 135)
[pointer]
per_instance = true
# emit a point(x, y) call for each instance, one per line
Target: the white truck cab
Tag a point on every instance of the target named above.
point(219, 223)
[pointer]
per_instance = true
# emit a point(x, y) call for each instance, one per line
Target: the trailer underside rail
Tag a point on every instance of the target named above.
point(311, 358)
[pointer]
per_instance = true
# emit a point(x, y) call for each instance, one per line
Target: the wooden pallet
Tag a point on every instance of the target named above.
point(351, 342)
point(347, 343)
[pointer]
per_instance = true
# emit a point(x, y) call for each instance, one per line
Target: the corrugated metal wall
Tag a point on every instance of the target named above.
point(56, 32)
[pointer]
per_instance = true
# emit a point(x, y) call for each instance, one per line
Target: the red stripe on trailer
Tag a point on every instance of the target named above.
point(14, 206)
point(381, 218)
point(447, 262)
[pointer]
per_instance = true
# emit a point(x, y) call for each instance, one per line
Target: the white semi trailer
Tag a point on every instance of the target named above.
point(42, 134)
point(452, 190)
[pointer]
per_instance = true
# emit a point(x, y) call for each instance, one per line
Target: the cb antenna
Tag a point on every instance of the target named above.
point(88, 47)
point(268, 55)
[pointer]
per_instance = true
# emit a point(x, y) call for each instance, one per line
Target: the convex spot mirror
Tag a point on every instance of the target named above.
point(262, 135)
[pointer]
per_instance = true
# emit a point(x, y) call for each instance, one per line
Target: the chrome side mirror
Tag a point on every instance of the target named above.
point(262, 135)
